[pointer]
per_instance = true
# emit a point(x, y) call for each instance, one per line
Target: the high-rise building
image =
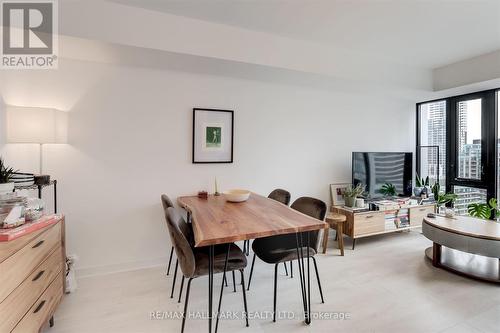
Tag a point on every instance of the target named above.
point(436, 136)
point(469, 154)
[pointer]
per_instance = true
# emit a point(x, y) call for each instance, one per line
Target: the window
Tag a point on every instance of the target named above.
point(469, 139)
point(432, 118)
point(465, 128)
point(466, 196)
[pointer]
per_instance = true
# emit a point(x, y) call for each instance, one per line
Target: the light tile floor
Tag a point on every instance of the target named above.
point(385, 285)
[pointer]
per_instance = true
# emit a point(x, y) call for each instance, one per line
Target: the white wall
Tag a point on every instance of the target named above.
point(482, 68)
point(130, 141)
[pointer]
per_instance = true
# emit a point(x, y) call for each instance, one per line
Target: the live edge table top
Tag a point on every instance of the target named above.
point(217, 221)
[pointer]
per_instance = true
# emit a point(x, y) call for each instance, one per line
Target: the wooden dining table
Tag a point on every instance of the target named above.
point(217, 221)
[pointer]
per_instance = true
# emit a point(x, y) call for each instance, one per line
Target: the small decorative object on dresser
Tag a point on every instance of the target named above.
point(352, 192)
point(213, 133)
point(337, 191)
point(32, 277)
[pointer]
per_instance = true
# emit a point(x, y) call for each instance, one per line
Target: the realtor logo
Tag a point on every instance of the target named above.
point(29, 36)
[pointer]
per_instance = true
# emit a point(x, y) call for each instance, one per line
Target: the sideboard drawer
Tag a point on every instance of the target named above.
point(42, 308)
point(24, 261)
point(14, 307)
point(368, 223)
point(417, 214)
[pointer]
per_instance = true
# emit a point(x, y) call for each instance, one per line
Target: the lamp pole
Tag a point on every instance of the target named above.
point(41, 158)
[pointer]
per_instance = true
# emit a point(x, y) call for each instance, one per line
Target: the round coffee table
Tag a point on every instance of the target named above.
point(464, 245)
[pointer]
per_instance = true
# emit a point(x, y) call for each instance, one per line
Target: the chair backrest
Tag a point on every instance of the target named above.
point(179, 233)
point(280, 195)
point(314, 208)
point(309, 206)
point(166, 202)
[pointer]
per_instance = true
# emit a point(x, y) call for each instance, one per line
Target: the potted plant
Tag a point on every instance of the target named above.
point(483, 210)
point(421, 185)
point(388, 190)
point(352, 192)
point(6, 185)
point(442, 198)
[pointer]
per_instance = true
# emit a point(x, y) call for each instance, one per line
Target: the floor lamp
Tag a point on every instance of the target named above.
point(36, 125)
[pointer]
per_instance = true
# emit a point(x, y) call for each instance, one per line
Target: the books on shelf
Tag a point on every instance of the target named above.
point(356, 209)
point(385, 205)
point(27, 228)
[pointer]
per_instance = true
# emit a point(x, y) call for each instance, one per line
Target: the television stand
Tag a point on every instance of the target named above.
point(370, 223)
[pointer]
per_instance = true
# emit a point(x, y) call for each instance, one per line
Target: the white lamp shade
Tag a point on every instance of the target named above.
point(36, 125)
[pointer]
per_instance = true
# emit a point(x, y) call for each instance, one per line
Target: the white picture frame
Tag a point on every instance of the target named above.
point(337, 193)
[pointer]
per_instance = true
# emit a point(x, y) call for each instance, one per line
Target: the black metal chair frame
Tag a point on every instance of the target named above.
point(304, 282)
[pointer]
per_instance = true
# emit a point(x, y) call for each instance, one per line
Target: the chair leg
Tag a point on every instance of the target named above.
point(275, 287)
point(234, 283)
point(251, 272)
point(247, 248)
point(170, 260)
point(175, 277)
point(291, 269)
point(180, 292)
point(244, 296)
point(317, 278)
point(286, 268)
point(186, 304)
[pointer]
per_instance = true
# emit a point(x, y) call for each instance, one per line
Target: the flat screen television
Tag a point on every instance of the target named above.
point(374, 169)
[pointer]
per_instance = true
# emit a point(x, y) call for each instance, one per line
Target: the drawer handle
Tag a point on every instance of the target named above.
point(368, 216)
point(421, 209)
point(38, 244)
point(40, 306)
point(39, 275)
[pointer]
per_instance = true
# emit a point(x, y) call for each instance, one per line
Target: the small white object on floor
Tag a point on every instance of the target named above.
point(71, 284)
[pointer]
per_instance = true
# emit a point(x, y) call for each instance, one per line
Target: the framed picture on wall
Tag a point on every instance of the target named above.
point(337, 191)
point(213, 133)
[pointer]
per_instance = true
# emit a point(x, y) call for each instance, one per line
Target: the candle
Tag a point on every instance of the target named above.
point(216, 187)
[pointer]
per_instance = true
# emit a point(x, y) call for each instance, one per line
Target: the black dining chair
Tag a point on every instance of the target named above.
point(167, 203)
point(279, 195)
point(283, 248)
point(282, 196)
point(194, 262)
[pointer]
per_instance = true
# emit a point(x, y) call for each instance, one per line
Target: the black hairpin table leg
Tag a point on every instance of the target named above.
point(305, 283)
point(210, 285)
point(222, 288)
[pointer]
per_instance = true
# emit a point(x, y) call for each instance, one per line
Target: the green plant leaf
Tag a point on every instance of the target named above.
point(479, 210)
point(388, 189)
point(418, 181)
point(493, 203)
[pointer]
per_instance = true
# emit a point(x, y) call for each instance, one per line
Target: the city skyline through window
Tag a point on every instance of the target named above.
point(433, 132)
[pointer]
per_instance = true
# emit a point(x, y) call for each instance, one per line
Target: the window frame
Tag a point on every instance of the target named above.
point(489, 141)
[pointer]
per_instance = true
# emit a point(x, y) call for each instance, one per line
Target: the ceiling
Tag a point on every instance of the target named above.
point(421, 33)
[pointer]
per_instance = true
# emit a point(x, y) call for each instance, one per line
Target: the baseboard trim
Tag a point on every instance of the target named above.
point(118, 268)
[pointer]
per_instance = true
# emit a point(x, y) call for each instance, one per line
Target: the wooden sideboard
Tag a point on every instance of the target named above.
point(32, 278)
point(370, 223)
